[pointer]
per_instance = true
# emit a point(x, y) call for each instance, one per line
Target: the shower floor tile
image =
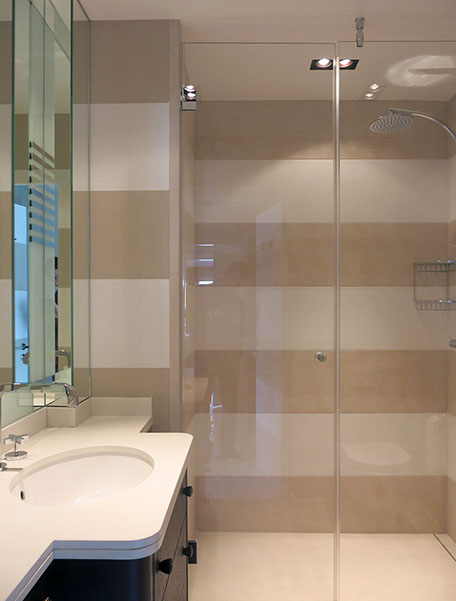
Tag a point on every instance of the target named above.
point(244, 566)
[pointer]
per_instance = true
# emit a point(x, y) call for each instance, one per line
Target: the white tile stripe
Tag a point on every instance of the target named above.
point(302, 444)
point(372, 191)
point(130, 146)
point(302, 319)
point(130, 323)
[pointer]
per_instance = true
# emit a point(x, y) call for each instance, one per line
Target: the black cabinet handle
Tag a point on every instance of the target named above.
point(166, 566)
point(188, 551)
point(187, 491)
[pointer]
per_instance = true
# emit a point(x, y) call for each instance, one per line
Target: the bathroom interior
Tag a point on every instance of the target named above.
point(228, 301)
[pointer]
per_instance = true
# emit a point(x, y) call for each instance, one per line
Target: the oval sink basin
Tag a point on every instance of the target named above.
point(82, 476)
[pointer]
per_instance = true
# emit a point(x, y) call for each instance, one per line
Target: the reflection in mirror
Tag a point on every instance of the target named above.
point(42, 196)
point(48, 61)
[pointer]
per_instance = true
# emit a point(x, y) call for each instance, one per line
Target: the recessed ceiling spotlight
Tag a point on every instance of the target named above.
point(348, 64)
point(369, 95)
point(321, 64)
point(374, 87)
point(327, 64)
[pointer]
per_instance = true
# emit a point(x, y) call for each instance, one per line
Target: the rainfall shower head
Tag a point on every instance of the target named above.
point(398, 119)
point(389, 124)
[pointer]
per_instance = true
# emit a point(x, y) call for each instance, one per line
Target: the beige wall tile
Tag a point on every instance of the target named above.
point(379, 504)
point(452, 382)
point(409, 381)
point(130, 61)
point(302, 254)
point(129, 235)
point(268, 381)
point(6, 30)
point(136, 382)
point(268, 504)
point(265, 254)
point(5, 235)
point(5, 148)
point(451, 508)
point(81, 224)
point(383, 254)
point(81, 58)
point(82, 381)
point(264, 130)
point(452, 124)
point(265, 381)
point(393, 504)
point(303, 129)
point(5, 324)
point(230, 258)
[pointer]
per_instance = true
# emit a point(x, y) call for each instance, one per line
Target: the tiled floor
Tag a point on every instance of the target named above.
point(298, 567)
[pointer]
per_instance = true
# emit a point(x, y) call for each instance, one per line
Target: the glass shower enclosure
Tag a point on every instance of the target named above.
point(319, 297)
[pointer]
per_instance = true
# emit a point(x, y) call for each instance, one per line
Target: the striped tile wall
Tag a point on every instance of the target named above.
point(263, 236)
point(130, 183)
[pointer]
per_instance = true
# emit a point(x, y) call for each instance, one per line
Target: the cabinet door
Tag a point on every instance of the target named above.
point(176, 589)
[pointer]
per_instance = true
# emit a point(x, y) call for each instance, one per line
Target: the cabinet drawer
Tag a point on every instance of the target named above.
point(168, 549)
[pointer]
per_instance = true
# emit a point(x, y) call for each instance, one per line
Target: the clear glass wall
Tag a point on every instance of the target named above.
point(289, 449)
point(397, 370)
point(258, 191)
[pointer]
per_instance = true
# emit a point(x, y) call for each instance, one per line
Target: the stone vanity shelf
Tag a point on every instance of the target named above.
point(119, 534)
point(432, 286)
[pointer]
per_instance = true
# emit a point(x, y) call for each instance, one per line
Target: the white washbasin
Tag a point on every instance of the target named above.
point(82, 476)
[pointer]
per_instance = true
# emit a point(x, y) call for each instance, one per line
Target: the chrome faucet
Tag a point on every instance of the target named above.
point(72, 395)
point(3, 465)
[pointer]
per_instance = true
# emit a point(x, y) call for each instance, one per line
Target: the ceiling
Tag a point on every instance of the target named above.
point(325, 20)
point(404, 71)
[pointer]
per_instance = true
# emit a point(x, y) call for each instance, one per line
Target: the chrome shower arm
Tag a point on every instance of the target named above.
point(448, 129)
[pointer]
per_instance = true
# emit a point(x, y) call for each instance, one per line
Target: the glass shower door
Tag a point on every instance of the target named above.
point(397, 486)
point(259, 293)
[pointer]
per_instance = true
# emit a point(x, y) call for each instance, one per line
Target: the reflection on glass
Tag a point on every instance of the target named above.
point(42, 195)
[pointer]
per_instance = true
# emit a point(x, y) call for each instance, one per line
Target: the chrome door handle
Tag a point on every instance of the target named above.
point(321, 357)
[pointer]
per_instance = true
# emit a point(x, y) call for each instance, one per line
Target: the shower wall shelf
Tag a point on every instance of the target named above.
point(431, 283)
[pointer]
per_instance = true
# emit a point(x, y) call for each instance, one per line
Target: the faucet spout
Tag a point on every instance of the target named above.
point(72, 395)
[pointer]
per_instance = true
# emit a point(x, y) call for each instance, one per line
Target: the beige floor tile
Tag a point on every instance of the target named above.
point(298, 567)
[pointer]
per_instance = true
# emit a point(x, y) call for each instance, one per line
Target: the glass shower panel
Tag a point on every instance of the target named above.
point(258, 191)
point(397, 199)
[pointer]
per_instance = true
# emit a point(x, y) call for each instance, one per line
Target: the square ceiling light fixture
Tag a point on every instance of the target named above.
point(327, 64)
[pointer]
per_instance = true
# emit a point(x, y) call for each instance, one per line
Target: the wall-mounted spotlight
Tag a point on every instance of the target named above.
point(327, 64)
point(188, 98)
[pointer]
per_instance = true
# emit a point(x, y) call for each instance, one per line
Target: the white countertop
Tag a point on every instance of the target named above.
point(129, 526)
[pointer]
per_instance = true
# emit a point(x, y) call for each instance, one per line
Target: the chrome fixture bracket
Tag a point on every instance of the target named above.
point(360, 21)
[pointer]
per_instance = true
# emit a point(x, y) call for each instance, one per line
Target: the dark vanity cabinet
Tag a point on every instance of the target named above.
point(161, 577)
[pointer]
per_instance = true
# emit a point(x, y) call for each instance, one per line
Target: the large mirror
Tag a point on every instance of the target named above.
point(49, 61)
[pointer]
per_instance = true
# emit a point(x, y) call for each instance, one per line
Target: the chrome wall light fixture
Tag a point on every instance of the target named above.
point(188, 98)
